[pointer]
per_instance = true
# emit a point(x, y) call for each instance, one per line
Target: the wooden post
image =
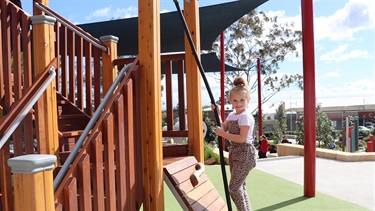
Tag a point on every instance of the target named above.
point(193, 83)
point(33, 182)
point(109, 70)
point(150, 86)
point(46, 115)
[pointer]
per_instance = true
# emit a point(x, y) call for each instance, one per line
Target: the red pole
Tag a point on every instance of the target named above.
point(309, 97)
point(260, 119)
point(222, 77)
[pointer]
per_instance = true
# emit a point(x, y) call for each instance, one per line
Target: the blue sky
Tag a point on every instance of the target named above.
point(344, 44)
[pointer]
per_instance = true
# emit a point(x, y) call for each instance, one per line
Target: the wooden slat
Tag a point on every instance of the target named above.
point(88, 77)
point(97, 173)
point(6, 50)
point(79, 50)
point(123, 190)
point(70, 194)
point(16, 52)
point(26, 50)
point(64, 62)
point(218, 204)
point(181, 94)
point(109, 177)
point(175, 150)
point(72, 68)
point(169, 94)
point(129, 141)
point(97, 85)
point(84, 184)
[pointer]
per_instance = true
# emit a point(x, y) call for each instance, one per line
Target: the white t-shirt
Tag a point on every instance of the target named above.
point(244, 119)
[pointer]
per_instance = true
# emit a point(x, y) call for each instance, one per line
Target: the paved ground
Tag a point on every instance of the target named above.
point(349, 181)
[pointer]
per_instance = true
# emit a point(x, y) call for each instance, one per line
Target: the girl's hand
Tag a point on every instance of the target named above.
point(219, 131)
point(213, 106)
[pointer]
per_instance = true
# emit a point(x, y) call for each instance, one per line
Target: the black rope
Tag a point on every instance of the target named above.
point(218, 122)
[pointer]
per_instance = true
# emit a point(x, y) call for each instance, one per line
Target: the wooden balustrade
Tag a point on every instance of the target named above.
point(171, 64)
point(112, 146)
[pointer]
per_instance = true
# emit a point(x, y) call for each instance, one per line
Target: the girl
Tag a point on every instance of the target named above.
point(238, 128)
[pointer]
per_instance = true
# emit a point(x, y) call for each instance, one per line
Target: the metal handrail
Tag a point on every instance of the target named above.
point(89, 126)
point(28, 106)
point(72, 27)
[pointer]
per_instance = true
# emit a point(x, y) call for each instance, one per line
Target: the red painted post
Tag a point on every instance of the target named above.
point(260, 119)
point(309, 97)
point(222, 77)
point(372, 147)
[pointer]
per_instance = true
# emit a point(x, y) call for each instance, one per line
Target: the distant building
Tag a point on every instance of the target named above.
point(337, 114)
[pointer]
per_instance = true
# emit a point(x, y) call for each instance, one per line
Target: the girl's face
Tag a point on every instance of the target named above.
point(239, 101)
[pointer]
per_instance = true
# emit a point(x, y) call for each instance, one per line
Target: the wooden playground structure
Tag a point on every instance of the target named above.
point(66, 98)
point(81, 129)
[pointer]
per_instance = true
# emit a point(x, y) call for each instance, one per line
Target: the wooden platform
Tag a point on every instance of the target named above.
point(204, 196)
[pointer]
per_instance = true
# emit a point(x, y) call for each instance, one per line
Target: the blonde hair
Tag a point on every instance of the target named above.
point(240, 85)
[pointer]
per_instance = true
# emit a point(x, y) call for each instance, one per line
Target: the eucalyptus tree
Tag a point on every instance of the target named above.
point(254, 36)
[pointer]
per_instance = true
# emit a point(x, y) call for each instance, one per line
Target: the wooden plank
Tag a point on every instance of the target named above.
point(198, 192)
point(84, 185)
point(129, 142)
point(70, 195)
point(122, 193)
point(200, 197)
point(169, 95)
point(218, 204)
point(88, 77)
point(109, 177)
point(97, 172)
point(180, 165)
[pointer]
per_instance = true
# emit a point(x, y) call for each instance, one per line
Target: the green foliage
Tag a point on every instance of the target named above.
point(324, 129)
point(300, 130)
point(209, 153)
point(254, 36)
point(280, 126)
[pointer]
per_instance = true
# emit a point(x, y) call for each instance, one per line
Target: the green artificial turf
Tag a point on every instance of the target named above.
point(269, 192)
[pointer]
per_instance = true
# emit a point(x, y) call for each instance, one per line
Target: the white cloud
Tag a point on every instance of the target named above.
point(356, 15)
point(109, 13)
point(341, 54)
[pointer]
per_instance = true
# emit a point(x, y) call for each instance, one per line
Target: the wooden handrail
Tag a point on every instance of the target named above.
point(22, 106)
point(72, 27)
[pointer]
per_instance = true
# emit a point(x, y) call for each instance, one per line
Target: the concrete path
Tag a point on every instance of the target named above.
point(349, 181)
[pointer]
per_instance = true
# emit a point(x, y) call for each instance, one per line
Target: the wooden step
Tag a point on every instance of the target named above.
point(68, 139)
point(72, 122)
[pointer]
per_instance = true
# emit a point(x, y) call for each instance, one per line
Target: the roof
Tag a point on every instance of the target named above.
point(213, 20)
point(359, 108)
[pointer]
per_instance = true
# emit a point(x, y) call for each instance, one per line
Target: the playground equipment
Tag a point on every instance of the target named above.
point(199, 170)
point(371, 144)
point(350, 136)
point(202, 195)
point(218, 122)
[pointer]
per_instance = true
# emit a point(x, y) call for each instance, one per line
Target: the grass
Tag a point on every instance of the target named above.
point(269, 192)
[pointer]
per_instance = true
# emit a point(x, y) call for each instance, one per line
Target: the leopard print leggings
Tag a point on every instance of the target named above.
point(241, 160)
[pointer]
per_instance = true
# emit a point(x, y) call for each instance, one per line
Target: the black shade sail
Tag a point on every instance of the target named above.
point(213, 20)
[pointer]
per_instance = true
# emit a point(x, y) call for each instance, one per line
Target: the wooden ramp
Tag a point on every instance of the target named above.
point(203, 196)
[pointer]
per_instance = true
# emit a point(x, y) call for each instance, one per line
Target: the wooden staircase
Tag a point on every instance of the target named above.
point(71, 123)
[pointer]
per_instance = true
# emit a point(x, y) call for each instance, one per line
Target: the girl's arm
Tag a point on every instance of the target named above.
point(238, 138)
